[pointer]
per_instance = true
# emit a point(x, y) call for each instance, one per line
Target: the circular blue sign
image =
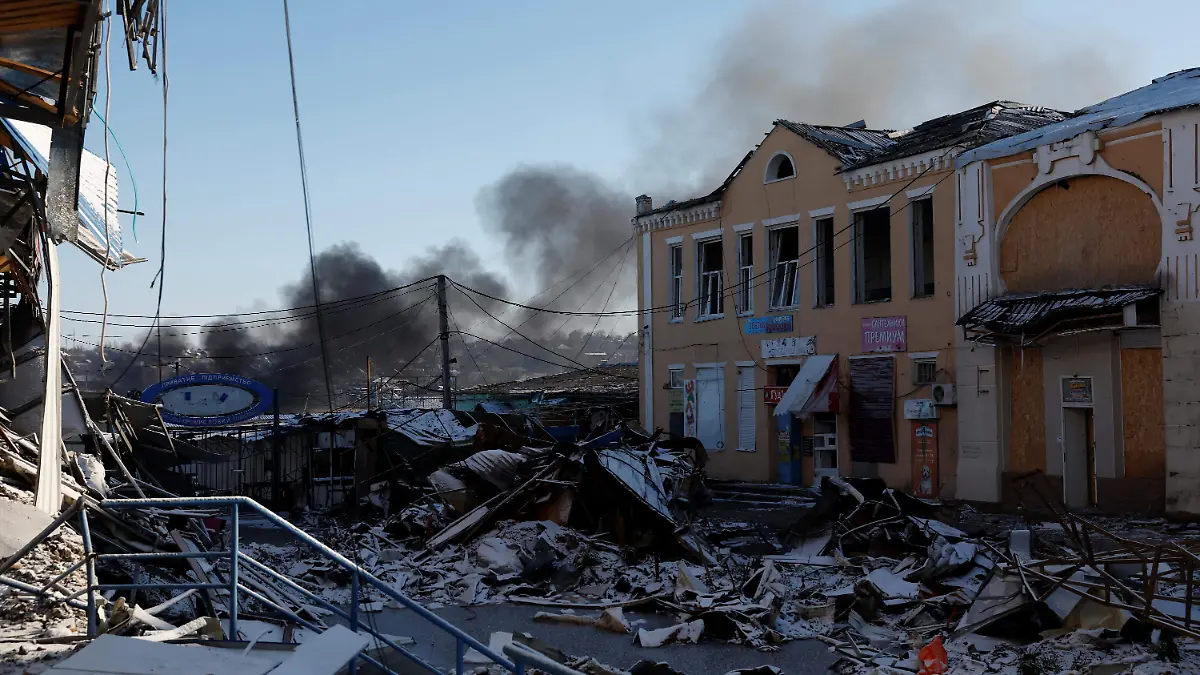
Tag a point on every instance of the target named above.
point(209, 399)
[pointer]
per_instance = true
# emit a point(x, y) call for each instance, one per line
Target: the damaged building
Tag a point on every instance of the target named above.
point(1076, 292)
point(799, 320)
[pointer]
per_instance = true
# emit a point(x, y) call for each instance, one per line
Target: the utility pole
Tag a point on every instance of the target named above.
point(444, 327)
point(368, 383)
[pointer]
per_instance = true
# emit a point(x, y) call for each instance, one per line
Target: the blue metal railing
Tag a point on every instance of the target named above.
point(236, 589)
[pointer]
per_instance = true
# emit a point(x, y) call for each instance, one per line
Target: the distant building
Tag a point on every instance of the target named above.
point(797, 316)
point(561, 400)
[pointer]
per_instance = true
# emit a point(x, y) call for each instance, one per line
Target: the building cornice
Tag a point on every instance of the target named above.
point(905, 168)
point(695, 214)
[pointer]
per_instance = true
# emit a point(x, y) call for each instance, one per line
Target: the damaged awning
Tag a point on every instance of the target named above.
point(799, 397)
point(106, 248)
point(1030, 315)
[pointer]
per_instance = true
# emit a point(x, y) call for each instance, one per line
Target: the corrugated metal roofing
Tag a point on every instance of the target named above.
point(35, 141)
point(1031, 314)
point(616, 379)
point(967, 129)
point(850, 146)
point(1171, 92)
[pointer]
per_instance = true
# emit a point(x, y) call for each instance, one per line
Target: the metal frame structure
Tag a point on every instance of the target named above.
point(236, 558)
point(236, 590)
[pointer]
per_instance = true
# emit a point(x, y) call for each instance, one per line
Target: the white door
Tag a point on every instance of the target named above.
point(746, 400)
point(710, 407)
point(825, 446)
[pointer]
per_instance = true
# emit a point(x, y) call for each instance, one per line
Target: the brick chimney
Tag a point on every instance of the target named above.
point(644, 204)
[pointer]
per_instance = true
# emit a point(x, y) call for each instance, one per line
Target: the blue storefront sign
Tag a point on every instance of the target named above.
point(209, 399)
point(779, 323)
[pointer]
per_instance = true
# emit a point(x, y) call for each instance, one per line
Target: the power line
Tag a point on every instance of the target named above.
point(466, 346)
point(162, 256)
point(312, 256)
point(249, 325)
point(528, 339)
point(562, 293)
point(266, 353)
point(733, 290)
point(616, 278)
point(281, 310)
point(535, 358)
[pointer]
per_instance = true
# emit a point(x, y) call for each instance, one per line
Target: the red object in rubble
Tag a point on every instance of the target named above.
point(933, 657)
point(214, 524)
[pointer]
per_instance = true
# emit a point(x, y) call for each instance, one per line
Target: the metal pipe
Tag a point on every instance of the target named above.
point(322, 548)
point(117, 587)
point(259, 567)
point(64, 575)
point(86, 531)
point(354, 615)
point(162, 555)
point(22, 586)
point(233, 572)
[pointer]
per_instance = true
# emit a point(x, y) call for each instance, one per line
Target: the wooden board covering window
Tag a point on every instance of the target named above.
point(1142, 413)
point(872, 404)
point(1027, 433)
point(1082, 232)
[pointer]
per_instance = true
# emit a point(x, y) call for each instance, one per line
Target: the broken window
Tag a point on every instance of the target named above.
point(780, 167)
point(872, 248)
point(922, 247)
point(712, 278)
point(785, 269)
point(824, 258)
point(745, 289)
point(676, 290)
point(924, 371)
point(675, 378)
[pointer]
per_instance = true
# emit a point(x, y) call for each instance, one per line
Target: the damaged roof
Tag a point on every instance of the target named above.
point(849, 145)
point(967, 129)
point(1171, 92)
point(1032, 314)
point(619, 379)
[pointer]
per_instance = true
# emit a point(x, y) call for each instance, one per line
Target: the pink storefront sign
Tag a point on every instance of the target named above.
point(885, 334)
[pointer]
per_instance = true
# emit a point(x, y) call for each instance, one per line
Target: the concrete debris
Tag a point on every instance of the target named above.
point(682, 633)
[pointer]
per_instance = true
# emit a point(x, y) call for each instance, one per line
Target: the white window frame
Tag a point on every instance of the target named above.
point(705, 281)
point(771, 168)
point(745, 280)
point(915, 254)
point(856, 262)
point(675, 290)
point(673, 370)
point(772, 264)
point(816, 259)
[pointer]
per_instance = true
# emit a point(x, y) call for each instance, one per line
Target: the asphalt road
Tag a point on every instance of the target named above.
point(795, 658)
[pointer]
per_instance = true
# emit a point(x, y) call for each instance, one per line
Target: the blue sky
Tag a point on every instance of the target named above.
point(410, 109)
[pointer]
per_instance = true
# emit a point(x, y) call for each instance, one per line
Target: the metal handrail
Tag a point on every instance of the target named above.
point(234, 587)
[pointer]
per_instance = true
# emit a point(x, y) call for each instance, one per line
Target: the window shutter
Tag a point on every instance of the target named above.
point(746, 401)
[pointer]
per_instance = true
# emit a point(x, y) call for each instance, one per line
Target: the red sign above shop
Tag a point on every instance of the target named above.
point(885, 334)
point(773, 395)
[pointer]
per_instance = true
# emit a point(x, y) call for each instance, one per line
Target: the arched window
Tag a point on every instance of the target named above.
point(779, 168)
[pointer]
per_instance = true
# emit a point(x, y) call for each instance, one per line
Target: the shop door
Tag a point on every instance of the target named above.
point(825, 446)
point(1078, 458)
point(710, 407)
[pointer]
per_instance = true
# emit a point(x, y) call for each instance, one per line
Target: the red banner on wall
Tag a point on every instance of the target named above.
point(924, 458)
point(773, 395)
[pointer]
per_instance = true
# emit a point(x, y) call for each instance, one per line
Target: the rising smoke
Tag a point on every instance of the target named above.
point(894, 65)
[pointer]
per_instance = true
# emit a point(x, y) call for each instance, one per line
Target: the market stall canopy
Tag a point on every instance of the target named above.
point(96, 238)
point(1028, 316)
point(799, 396)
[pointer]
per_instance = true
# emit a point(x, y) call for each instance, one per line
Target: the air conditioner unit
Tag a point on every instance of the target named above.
point(945, 394)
